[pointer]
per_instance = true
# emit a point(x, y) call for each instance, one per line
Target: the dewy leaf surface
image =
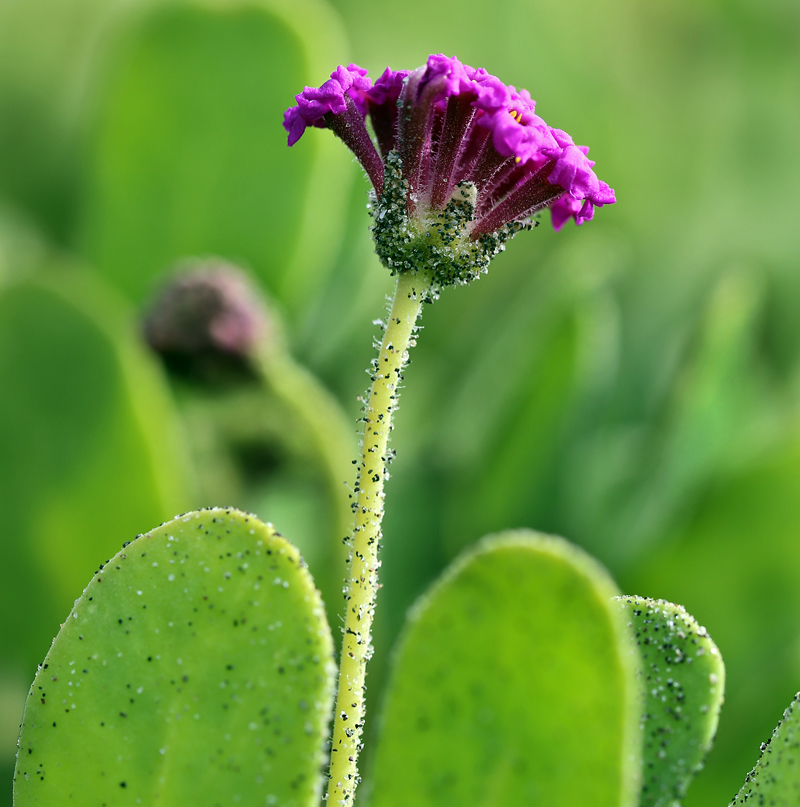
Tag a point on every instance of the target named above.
point(515, 683)
point(775, 780)
point(684, 688)
point(195, 669)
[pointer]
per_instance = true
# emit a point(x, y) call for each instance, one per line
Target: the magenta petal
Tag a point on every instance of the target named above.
point(381, 101)
point(492, 93)
point(294, 124)
point(356, 84)
point(562, 138)
point(316, 102)
point(387, 88)
point(573, 172)
point(514, 138)
point(604, 195)
point(586, 213)
point(456, 76)
point(564, 209)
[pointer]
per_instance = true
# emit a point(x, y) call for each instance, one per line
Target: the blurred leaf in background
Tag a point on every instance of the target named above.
point(185, 154)
point(44, 47)
point(144, 131)
point(22, 250)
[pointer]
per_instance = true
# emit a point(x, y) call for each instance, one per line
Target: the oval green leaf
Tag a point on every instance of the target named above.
point(515, 683)
point(775, 780)
point(196, 669)
point(684, 688)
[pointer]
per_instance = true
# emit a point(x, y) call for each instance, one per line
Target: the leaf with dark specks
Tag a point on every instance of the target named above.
point(775, 780)
point(684, 678)
point(195, 669)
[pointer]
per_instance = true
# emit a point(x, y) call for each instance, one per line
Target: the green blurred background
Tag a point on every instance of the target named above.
point(633, 385)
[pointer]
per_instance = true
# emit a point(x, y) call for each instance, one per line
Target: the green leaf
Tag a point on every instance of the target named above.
point(775, 780)
point(684, 690)
point(43, 50)
point(196, 668)
point(188, 155)
point(515, 683)
point(21, 247)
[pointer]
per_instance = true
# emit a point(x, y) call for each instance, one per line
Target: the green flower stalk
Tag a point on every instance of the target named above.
point(362, 586)
point(459, 163)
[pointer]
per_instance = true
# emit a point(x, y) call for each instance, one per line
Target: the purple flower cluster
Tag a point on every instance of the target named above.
point(450, 123)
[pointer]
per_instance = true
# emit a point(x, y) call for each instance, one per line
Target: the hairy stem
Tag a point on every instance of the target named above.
point(362, 586)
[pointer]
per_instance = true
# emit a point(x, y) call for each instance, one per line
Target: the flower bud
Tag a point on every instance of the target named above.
point(207, 318)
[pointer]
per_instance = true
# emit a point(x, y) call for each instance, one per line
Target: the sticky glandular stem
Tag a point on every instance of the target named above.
point(411, 291)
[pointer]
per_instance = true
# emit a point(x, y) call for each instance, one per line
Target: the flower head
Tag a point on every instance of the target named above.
point(462, 162)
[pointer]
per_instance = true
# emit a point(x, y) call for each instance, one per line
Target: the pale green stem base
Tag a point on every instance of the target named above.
point(362, 585)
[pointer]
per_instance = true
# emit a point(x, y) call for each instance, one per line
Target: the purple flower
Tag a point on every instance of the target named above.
point(452, 127)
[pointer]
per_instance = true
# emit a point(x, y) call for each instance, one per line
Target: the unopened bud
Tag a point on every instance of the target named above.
point(207, 313)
